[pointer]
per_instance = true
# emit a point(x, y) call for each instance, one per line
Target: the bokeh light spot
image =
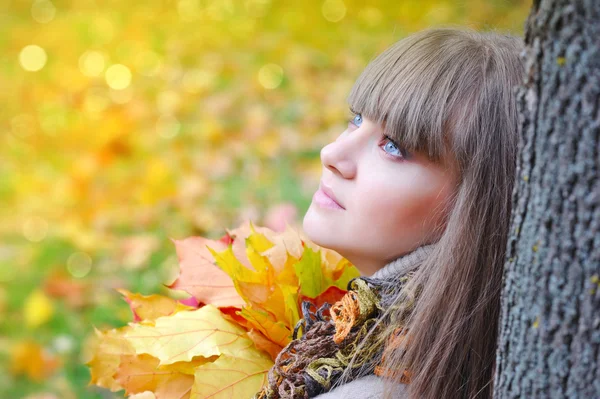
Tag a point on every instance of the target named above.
point(63, 343)
point(270, 76)
point(43, 11)
point(118, 76)
point(168, 126)
point(35, 229)
point(32, 58)
point(92, 63)
point(79, 264)
point(334, 10)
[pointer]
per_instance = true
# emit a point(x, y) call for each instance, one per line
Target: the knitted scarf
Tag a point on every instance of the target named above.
point(310, 365)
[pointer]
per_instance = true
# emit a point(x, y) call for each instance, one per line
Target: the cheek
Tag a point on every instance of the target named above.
point(404, 207)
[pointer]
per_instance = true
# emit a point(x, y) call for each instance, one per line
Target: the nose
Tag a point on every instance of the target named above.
point(338, 157)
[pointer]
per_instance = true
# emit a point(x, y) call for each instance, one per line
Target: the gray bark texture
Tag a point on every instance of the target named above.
point(549, 337)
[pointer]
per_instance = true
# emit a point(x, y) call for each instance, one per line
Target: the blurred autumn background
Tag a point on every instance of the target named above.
point(125, 123)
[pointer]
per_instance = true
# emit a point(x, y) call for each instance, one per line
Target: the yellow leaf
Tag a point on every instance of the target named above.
point(150, 307)
point(257, 240)
point(290, 299)
point(291, 239)
point(274, 330)
point(268, 273)
point(38, 309)
point(260, 263)
point(230, 264)
point(261, 286)
point(107, 349)
point(286, 249)
point(287, 275)
point(232, 376)
point(140, 373)
point(184, 335)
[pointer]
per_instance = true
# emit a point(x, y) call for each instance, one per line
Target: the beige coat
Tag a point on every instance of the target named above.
point(368, 387)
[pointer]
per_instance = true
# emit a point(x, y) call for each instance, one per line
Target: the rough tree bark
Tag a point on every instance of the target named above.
point(549, 344)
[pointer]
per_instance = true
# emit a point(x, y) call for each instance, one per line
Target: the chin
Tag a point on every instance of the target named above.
point(314, 229)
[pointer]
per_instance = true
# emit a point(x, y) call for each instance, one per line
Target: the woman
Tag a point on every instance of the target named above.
point(416, 192)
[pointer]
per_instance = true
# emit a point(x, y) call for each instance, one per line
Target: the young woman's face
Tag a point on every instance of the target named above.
point(388, 202)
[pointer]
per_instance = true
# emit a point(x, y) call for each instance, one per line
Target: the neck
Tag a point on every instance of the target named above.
point(404, 263)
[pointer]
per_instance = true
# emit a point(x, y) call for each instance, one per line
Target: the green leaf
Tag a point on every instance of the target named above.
point(310, 275)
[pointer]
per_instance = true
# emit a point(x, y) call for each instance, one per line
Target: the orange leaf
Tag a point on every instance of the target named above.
point(199, 275)
point(264, 343)
point(231, 314)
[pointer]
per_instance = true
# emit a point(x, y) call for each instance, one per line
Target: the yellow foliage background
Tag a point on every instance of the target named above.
point(125, 123)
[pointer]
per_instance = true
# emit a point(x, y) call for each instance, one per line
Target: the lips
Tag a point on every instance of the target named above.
point(328, 192)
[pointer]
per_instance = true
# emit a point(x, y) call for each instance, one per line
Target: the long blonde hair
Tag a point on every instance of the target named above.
point(450, 93)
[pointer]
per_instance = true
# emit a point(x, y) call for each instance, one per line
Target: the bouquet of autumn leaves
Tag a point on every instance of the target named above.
point(246, 293)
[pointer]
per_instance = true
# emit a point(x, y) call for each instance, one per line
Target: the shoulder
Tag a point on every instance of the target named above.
point(367, 387)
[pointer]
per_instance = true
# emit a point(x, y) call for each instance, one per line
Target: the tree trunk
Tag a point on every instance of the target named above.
point(549, 343)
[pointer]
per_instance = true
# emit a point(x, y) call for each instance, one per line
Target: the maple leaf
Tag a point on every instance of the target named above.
point(141, 373)
point(232, 376)
point(317, 272)
point(150, 307)
point(200, 277)
point(280, 275)
point(275, 245)
point(262, 342)
point(107, 349)
point(276, 331)
point(250, 283)
point(185, 335)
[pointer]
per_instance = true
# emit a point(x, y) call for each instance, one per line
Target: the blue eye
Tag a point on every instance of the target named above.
point(357, 120)
point(388, 145)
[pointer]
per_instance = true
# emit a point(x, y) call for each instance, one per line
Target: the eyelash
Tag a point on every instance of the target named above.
point(403, 153)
